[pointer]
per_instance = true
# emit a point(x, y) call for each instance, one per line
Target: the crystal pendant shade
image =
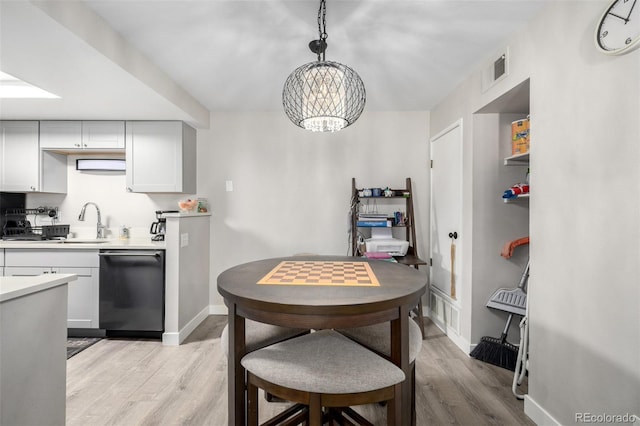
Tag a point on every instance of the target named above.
point(323, 96)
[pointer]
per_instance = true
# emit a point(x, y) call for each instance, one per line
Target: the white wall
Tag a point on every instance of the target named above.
point(291, 187)
point(584, 211)
point(585, 292)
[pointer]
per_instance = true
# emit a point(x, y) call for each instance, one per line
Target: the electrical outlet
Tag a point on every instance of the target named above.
point(184, 240)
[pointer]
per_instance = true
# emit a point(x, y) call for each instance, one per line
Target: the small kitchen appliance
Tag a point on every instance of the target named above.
point(158, 228)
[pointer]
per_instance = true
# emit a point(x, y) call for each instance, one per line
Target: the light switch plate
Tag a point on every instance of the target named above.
point(228, 185)
point(184, 240)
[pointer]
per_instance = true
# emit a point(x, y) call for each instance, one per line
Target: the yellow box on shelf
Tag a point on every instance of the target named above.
point(520, 136)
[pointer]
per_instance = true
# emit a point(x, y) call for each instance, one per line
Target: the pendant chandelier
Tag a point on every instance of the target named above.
point(323, 96)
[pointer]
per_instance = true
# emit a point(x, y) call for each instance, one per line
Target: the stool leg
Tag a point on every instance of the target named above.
point(252, 402)
point(419, 318)
point(394, 407)
point(315, 410)
point(413, 394)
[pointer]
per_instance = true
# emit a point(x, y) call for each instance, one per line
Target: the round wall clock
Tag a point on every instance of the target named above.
point(618, 29)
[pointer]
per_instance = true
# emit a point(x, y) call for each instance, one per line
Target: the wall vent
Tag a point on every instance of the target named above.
point(499, 67)
point(496, 70)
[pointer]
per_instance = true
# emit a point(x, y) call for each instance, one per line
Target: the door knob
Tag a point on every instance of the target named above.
point(453, 235)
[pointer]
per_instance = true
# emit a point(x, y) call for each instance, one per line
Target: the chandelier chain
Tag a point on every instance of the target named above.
point(322, 26)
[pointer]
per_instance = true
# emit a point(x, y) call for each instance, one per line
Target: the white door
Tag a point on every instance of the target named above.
point(446, 210)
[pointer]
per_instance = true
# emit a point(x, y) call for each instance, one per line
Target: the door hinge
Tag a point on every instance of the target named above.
point(431, 261)
point(432, 164)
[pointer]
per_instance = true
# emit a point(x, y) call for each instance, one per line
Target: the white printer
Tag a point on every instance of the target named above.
point(382, 241)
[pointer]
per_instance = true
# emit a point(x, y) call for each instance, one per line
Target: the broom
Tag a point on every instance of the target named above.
point(496, 350)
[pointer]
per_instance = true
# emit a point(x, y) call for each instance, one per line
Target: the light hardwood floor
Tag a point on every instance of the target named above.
point(142, 382)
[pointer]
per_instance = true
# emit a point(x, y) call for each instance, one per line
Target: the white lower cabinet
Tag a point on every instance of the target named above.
point(83, 302)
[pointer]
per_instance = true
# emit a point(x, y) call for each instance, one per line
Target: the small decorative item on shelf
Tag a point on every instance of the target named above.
point(388, 192)
point(376, 192)
point(124, 233)
point(399, 218)
point(406, 194)
point(515, 190)
point(203, 205)
point(188, 206)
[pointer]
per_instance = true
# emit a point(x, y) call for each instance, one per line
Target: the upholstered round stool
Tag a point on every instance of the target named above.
point(377, 337)
point(321, 370)
point(259, 335)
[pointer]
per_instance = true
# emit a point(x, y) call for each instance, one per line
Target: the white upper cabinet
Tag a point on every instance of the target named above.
point(19, 156)
point(23, 167)
point(103, 134)
point(161, 156)
point(61, 134)
point(82, 135)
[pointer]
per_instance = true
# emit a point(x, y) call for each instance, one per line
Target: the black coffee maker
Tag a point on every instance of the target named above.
point(158, 228)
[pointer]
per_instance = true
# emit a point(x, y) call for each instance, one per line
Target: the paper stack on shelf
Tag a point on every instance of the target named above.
point(374, 220)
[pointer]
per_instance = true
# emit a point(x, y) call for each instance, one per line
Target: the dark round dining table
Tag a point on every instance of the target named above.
point(319, 306)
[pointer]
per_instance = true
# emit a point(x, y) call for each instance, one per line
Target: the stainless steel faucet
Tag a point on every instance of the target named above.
point(100, 228)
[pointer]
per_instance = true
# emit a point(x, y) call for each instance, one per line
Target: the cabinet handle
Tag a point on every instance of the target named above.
point(145, 253)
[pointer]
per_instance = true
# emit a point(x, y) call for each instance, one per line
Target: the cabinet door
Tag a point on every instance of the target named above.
point(61, 134)
point(19, 156)
point(82, 308)
point(154, 151)
point(103, 134)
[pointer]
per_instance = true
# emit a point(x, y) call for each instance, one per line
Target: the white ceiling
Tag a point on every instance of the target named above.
point(234, 55)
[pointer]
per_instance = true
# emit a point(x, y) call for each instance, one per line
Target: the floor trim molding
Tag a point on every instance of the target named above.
point(175, 339)
point(538, 414)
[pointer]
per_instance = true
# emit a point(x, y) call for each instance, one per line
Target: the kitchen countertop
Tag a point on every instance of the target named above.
point(82, 243)
point(14, 287)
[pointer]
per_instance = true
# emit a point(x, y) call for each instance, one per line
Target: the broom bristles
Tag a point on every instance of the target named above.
point(496, 351)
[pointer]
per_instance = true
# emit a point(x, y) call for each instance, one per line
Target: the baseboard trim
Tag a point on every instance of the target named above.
point(463, 344)
point(175, 339)
point(445, 314)
point(218, 310)
point(539, 415)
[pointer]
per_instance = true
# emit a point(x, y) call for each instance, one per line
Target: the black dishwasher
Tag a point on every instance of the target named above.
point(132, 292)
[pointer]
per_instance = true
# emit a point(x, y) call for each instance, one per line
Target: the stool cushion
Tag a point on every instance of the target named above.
point(378, 337)
point(323, 362)
point(258, 334)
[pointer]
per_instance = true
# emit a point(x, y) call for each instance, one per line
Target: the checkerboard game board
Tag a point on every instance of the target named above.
point(293, 272)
